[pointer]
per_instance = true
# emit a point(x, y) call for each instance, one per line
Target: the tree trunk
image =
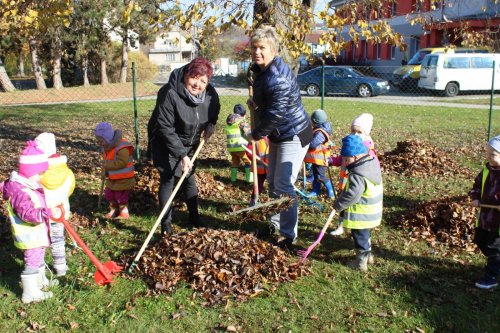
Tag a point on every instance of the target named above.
point(35, 62)
point(104, 74)
point(123, 72)
point(56, 70)
point(5, 81)
point(20, 65)
point(85, 70)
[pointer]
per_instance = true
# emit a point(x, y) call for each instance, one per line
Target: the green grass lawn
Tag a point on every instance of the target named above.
point(411, 288)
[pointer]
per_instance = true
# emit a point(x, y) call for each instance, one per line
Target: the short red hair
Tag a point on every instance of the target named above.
point(199, 66)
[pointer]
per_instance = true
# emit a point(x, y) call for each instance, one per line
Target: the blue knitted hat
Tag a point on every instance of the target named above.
point(352, 145)
point(240, 109)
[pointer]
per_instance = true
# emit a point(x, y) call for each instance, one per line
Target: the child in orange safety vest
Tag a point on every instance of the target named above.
point(319, 153)
point(262, 151)
point(118, 166)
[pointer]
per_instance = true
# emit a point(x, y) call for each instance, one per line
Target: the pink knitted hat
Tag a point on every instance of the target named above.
point(32, 160)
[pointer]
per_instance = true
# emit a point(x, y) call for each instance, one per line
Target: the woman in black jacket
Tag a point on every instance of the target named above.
point(185, 107)
point(279, 115)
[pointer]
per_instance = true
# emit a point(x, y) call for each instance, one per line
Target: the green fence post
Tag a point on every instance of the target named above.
point(491, 100)
point(137, 150)
point(322, 84)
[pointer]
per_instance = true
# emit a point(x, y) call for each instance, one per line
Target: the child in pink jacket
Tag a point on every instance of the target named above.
point(29, 217)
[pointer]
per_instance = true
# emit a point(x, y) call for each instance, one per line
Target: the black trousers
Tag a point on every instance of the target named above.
point(188, 191)
point(489, 244)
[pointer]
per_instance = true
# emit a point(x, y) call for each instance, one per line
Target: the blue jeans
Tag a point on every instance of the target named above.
point(361, 239)
point(285, 161)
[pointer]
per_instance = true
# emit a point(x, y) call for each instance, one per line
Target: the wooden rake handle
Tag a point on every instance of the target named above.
point(165, 208)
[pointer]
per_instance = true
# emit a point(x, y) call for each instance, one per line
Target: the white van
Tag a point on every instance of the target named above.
point(452, 73)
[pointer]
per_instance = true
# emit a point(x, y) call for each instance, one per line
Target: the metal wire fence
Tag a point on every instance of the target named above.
point(320, 86)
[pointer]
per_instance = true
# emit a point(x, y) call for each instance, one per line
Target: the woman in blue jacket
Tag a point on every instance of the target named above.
point(279, 115)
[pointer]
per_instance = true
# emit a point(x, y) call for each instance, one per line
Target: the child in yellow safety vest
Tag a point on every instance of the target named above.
point(485, 191)
point(236, 125)
point(30, 220)
point(360, 202)
point(58, 184)
point(319, 153)
point(361, 126)
point(262, 151)
point(118, 168)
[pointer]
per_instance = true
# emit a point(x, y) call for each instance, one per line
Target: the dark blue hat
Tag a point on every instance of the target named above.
point(318, 117)
point(240, 109)
point(352, 145)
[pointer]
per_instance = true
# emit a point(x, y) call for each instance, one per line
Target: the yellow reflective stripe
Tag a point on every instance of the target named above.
point(367, 213)
point(27, 235)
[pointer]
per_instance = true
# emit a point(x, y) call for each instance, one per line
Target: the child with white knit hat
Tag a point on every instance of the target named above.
point(58, 183)
point(118, 165)
point(361, 126)
point(29, 217)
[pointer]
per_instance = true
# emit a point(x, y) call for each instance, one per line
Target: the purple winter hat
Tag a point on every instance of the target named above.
point(105, 131)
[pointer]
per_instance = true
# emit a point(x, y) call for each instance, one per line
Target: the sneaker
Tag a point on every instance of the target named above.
point(487, 282)
point(123, 215)
point(337, 232)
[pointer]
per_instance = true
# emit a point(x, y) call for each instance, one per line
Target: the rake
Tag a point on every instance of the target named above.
point(164, 210)
point(283, 201)
point(309, 201)
point(305, 253)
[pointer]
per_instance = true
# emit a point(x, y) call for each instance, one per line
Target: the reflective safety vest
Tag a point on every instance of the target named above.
point(342, 177)
point(28, 235)
point(321, 153)
point(233, 137)
point(128, 170)
point(367, 213)
point(262, 150)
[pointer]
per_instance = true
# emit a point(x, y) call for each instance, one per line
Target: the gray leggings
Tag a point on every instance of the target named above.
point(58, 243)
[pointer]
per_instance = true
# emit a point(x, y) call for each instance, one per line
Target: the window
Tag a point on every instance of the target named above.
point(377, 50)
point(417, 5)
point(170, 57)
point(482, 62)
point(457, 63)
point(393, 52)
point(394, 8)
point(430, 61)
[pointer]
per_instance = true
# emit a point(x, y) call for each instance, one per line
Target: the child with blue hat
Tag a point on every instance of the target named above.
point(360, 202)
point(236, 128)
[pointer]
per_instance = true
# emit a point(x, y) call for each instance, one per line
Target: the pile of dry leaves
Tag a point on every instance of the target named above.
point(217, 264)
point(421, 159)
point(448, 221)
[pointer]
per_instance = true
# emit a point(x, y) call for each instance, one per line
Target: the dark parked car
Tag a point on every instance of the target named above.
point(341, 80)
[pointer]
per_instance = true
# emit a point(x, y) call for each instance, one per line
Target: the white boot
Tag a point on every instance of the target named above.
point(60, 269)
point(31, 289)
point(43, 281)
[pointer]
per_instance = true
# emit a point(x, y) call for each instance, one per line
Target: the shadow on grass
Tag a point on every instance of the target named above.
point(443, 291)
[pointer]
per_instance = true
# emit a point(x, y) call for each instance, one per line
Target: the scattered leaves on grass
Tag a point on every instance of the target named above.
point(448, 221)
point(217, 264)
point(421, 159)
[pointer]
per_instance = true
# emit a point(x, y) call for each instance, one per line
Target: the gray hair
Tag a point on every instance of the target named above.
point(266, 34)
